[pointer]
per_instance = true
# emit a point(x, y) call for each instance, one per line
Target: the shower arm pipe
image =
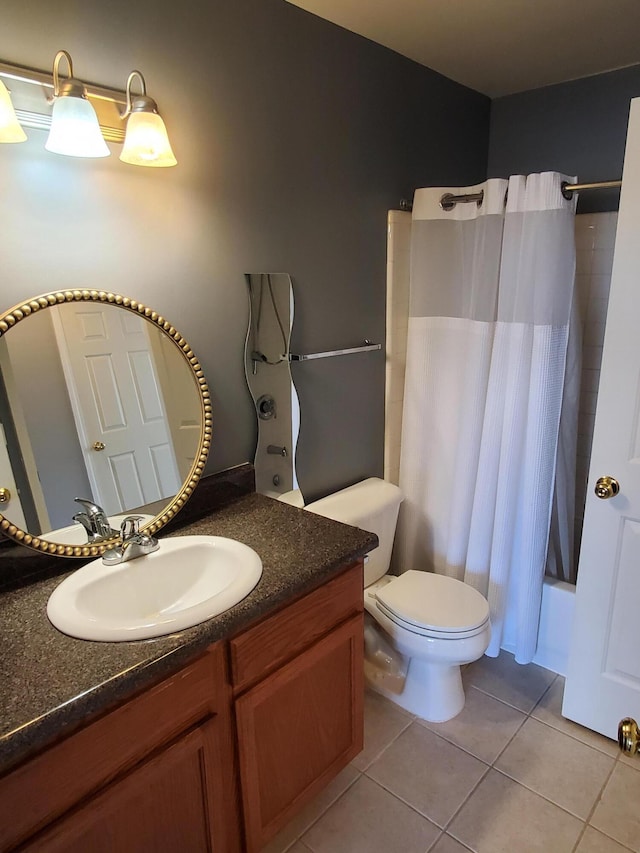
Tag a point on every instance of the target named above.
point(366, 347)
point(449, 200)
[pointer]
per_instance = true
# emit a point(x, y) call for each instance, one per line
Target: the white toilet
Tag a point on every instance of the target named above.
point(425, 624)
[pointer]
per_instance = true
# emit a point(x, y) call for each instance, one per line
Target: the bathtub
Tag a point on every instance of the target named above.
point(554, 634)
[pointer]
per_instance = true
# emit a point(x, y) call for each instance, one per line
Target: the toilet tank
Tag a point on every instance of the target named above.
point(372, 505)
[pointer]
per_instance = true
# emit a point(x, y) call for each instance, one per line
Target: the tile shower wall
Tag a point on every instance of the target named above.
point(595, 238)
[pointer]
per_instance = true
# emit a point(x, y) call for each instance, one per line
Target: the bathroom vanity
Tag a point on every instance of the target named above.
point(207, 740)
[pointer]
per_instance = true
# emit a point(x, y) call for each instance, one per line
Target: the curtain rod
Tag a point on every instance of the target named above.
point(449, 200)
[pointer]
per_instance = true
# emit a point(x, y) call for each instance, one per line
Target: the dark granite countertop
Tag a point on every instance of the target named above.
point(51, 683)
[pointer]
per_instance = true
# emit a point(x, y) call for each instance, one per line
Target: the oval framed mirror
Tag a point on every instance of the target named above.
point(102, 402)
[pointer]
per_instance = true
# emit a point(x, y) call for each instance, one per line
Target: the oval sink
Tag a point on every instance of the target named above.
point(188, 580)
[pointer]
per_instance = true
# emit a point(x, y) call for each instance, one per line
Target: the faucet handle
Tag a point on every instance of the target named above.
point(90, 507)
point(130, 526)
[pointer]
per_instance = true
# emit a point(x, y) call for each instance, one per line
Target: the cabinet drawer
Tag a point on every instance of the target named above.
point(261, 650)
point(46, 786)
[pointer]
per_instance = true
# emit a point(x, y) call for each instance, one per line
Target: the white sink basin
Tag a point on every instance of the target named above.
point(188, 580)
point(75, 534)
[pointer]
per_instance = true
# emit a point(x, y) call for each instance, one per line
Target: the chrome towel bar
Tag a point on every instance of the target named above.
point(366, 347)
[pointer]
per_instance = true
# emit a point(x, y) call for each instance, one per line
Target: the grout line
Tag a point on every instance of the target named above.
point(466, 800)
point(597, 803)
point(444, 834)
point(538, 794)
point(504, 701)
point(576, 739)
point(406, 803)
point(324, 811)
point(385, 748)
point(467, 750)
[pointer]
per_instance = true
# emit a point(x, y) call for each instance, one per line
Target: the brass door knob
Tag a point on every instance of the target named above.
point(5, 495)
point(607, 487)
point(98, 445)
point(628, 736)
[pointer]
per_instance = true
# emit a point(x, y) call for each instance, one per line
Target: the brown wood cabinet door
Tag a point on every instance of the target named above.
point(163, 806)
point(298, 728)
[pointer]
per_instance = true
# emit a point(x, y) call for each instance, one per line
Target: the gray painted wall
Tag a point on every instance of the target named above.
point(293, 137)
point(48, 416)
point(578, 128)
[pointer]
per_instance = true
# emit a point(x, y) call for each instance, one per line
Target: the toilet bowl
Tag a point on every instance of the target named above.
point(429, 624)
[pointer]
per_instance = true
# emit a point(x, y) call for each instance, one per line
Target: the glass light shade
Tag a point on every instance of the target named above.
point(75, 130)
point(10, 129)
point(146, 142)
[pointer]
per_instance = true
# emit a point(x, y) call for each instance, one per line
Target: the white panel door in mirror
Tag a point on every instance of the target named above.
point(120, 414)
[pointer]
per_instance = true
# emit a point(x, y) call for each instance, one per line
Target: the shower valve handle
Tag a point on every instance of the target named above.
point(606, 487)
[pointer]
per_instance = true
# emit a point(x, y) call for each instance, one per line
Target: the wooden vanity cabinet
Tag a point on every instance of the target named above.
point(298, 681)
point(154, 774)
point(282, 700)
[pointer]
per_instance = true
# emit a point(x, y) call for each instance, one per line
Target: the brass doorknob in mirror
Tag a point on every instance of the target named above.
point(607, 487)
point(98, 445)
point(628, 739)
point(5, 495)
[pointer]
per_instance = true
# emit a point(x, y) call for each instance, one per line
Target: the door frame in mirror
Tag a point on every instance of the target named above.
point(9, 319)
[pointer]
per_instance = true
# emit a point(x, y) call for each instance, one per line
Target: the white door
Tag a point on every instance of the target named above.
point(603, 677)
point(117, 405)
point(183, 408)
point(10, 507)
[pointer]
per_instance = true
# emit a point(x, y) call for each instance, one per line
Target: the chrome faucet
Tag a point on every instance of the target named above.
point(134, 543)
point(94, 520)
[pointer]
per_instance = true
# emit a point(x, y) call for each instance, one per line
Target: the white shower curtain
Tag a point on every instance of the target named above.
point(490, 306)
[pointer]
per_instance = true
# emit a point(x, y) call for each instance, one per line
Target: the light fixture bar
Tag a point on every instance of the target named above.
point(32, 89)
point(41, 121)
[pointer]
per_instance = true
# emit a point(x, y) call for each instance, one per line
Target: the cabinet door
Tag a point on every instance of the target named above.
point(166, 804)
point(48, 786)
point(298, 728)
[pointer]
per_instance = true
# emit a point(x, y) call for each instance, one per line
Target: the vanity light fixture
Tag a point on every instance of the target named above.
point(10, 128)
point(81, 117)
point(75, 130)
point(146, 142)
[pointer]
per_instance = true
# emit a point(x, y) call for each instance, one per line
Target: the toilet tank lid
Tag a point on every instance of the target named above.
point(358, 502)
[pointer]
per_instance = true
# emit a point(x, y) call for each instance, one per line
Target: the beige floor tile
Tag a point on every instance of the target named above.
point(429, 773)
point(502, 677)
point(310, 813)
point(557, 766)
point(484, 727)
point(549, 711)
point(447, 844)
point(503, 817)
point(632, 761)
point(617, 813)
point(368, 819)
point(383, 722)
point(595, 842)
point(299, 847)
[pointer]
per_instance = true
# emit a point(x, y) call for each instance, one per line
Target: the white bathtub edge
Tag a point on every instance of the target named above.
point(556, 619)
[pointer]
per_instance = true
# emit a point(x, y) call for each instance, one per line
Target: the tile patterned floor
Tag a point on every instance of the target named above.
point(508, 775)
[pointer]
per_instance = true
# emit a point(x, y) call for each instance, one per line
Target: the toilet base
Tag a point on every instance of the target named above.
point(432, 691)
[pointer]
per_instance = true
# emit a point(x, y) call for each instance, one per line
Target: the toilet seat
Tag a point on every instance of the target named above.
point(433, 605)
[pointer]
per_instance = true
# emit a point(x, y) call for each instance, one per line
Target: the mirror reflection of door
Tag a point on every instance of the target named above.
point(268, 373)
point(117, 405)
